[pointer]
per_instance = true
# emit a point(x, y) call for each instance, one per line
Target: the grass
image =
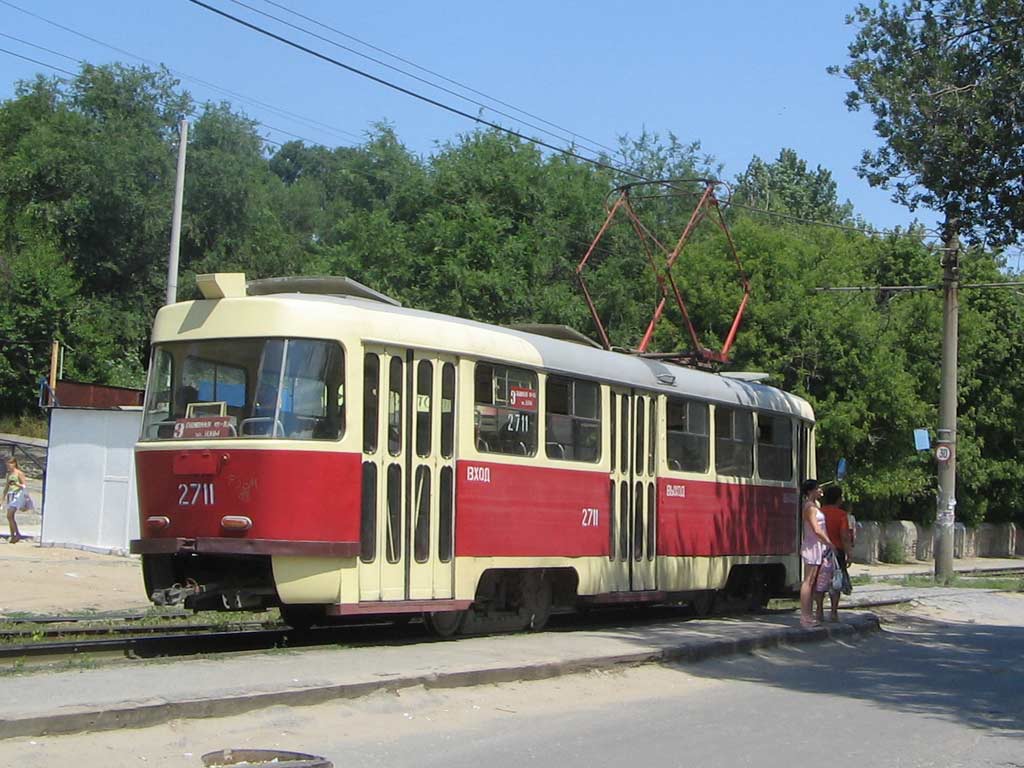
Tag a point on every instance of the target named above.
point(25, 425)
point(1000, 583)
point(155, 617)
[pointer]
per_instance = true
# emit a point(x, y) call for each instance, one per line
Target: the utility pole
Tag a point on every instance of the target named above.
point(945, 452)
point(52, 380)
point(179, 194)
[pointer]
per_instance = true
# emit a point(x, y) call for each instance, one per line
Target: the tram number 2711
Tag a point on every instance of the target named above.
point(591, 517)
point(195, 494)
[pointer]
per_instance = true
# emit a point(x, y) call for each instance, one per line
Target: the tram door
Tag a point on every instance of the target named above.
point(432, 477)
point(408, 475)
point(643, 488)
point(632, 489)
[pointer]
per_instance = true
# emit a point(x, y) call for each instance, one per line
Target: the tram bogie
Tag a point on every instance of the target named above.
point(340, 456)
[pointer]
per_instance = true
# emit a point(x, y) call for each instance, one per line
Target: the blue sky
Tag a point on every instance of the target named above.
point(743, 78)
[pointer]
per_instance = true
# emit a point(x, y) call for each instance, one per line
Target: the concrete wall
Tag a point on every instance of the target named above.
point(925, 542)
point(965, 541)
point(997, 540)
point(867, 543)
point(90, 479)
point(916, 542)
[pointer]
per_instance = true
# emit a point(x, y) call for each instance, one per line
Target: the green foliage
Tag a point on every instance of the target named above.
point(891, 552)
point(786, 186)
point(27, 425)
point(996, 583)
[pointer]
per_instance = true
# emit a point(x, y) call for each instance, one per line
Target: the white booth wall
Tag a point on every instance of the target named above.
point(90, 499)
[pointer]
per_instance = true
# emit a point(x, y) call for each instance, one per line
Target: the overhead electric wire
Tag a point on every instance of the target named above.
point(912, 288)
point(36, 61)
point(419, 96)
point(571, 133)
point(41, 48)
point(191, 113)
point(414, 77)
point(310, 122)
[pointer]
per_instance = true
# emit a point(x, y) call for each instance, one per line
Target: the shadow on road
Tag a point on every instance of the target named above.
point(971, 673)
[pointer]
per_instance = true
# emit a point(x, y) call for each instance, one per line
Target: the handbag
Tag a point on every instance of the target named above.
point(847, 585)
point(826, 571)
point(839, 578)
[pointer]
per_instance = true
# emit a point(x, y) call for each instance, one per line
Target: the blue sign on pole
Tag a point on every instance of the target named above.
point(921, 440)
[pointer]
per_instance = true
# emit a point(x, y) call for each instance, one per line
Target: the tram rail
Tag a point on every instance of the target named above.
point(193, 640)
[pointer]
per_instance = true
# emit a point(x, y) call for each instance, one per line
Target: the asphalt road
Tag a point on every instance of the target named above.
point(927, 691)
point(924, 693)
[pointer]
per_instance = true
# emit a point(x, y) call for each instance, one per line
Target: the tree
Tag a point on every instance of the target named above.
point(942, 78)
point(787, 186)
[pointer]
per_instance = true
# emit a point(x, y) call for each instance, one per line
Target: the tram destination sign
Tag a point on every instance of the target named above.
point(522, 399)
point(205, 426)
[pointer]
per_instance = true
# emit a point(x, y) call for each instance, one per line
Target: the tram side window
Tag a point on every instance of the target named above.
point(774, 447)
point(158, 400)
point(505, 410)
point(395, 376)
point(734, 442)
point(371, 401)
point(687, 435)
point(572, 420)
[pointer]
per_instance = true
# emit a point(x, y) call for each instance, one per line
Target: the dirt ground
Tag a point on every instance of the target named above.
point(53, 580)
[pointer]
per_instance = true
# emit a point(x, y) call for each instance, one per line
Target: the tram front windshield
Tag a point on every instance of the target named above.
point(289, 389)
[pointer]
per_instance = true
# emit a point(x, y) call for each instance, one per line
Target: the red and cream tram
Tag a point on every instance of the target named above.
point(310, 444)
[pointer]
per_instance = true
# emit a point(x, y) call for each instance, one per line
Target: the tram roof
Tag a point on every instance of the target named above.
point(375, 322)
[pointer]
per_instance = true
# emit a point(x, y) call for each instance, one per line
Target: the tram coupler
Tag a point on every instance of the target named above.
point(178, 593)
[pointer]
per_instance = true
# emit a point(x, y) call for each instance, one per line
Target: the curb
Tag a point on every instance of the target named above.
point(143, 715)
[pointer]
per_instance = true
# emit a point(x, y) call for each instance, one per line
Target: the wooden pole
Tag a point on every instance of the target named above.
point(54, 358)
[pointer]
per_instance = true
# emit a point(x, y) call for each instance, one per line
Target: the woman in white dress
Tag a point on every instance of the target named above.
point(814, 544)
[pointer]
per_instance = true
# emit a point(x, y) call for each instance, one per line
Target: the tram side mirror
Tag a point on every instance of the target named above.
point(841, 470)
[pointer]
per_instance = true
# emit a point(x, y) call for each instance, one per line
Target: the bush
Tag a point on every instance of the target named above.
point(891, 551)
point(24, 425)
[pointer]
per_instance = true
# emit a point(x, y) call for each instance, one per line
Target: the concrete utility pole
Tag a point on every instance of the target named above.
point(179, 194)
point(945, 451)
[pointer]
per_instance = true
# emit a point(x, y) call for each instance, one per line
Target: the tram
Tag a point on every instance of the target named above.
point(310, 444)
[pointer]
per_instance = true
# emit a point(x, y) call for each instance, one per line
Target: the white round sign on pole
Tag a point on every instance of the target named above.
point(942, 453)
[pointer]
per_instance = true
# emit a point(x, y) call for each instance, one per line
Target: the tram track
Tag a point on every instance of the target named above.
point(55, 639)
point(130, 643)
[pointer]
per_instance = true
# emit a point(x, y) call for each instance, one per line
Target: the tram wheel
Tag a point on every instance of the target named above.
point(444, 623)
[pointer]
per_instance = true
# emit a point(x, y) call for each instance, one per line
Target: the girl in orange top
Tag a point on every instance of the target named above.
point(837, 524)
